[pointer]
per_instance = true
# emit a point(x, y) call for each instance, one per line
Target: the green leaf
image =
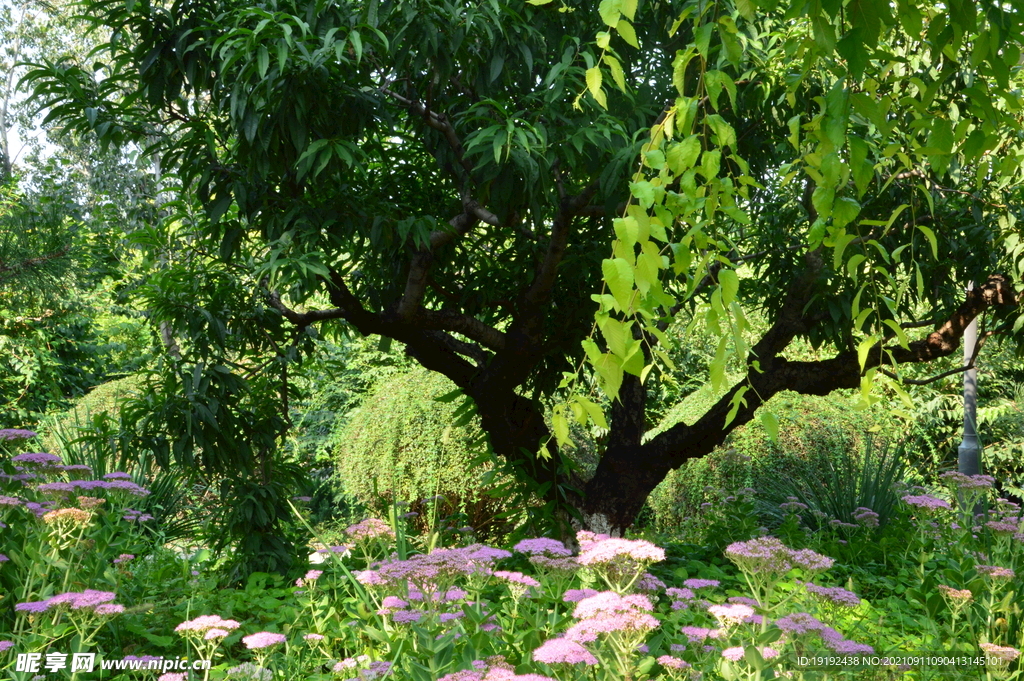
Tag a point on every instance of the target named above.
point(561, 427)
point(594, 86)
point(627, 230)
point(822, 199)
point(736, 402)
point(628, 33)
point(840, 244)
point(930, 235)
point(618, 274)
point(730, 284)
point(771, 425)
point(647, 268)
point(610, 11)
point(538, 2)
point(616, 335)
point(901, 335)
point(609, 369)
point(594, 411)
point(683, 155)
point(844, 211)
point(262, 60)
point(864, 348)
point(853, 50)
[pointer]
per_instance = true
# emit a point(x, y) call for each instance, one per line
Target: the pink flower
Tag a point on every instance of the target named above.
point(371, 528)
point(172, 677)
point(729, 615)
point(669, 662)
point(577, 595)
point(206, 622)
point(700, 583)
point(108, 609)
point(1002, 653)
point(313, 637)
point(925, 502)
point(563, 651)
point(214, 634)
point(517, 578)
point(734, 654)
point(6, 645)
point(612, 550)
point(543, 546)
point(263, 639)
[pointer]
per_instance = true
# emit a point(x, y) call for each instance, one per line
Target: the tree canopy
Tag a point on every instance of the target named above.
point(527, 194)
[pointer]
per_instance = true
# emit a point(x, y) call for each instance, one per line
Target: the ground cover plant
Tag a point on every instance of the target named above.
point(80, 576)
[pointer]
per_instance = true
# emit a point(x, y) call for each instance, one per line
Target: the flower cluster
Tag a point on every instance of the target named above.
point(97, 602)
point(835, 595)
point(925, 502)
point(10, 434)
point(371, 528)
point(263, 639)
point(769, 555)
point(204, 623)
point(866, 517)
point(608, 612)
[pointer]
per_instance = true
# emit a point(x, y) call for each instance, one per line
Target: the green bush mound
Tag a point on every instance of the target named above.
point(812, 431)
point(404, 445)
point(103, 400)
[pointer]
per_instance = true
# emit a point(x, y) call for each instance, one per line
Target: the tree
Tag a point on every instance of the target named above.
point(445, 174)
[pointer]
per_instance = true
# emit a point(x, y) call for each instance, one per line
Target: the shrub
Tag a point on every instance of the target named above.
point(812, 431)
point(404, 444)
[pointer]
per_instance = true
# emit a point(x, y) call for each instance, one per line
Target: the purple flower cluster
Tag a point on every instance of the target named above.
point(925, 502)
point(968, 482)
point(133, 516)
point(701, 634)
point(996, 572)
point(610, 551)
point(732, 614)
point(424, 570)
point(542, 546)
point(16, 434)
point(371, 528)
point(865, 516)
point(701, 583)
point(40, 459)
point(577, 595)
point(834, 594)
point(769, 555)
point(87, 600)
point(800, 623)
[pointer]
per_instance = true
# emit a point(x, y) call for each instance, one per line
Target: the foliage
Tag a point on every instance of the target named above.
point(814, 432)
point(404, 443)
point(425, 624)
point(333, 383)
point(446, 174)
point(836, 487)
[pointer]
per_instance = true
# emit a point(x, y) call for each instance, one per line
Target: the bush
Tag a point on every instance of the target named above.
point(812, 431)
point(403, 444)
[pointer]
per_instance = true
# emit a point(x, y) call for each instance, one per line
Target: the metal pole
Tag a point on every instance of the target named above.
point(969, 452)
